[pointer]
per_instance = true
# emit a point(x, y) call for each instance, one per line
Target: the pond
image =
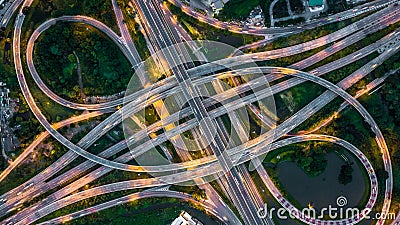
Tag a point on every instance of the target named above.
point(322, 190)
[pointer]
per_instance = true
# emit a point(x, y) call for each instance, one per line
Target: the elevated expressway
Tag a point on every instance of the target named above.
point(45, 134)
point(281, 71)
point(178, 33)
point(341, 62)
point(22, 78)
point(362, 28)
point(149, 14)
point(175, 62)
point(13, 6)
point(335, 65)
point(137, 196)
point(127, 40)
point(371, 6)
point(239, 159)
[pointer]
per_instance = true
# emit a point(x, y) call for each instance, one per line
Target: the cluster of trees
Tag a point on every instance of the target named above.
point(194, 190)
point(346, 174)
point(351, 127)
point(3, 33)
point(280, 9)
point(3, 163)
point(105, 71)
point(312, 161)
point(101, 10)
point(237, 9)
point(391, 89)
point(30, 126)
point(392, 97)
point(265, 8)
point(388, 117)
point(336, 6)
point(297, 6)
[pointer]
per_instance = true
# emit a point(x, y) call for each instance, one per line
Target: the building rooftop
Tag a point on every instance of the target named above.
point(217, 5)
point(313, 3)
point(185, 219)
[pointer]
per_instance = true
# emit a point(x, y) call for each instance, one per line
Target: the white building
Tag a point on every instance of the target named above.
point(216, 5)
point(185, 219)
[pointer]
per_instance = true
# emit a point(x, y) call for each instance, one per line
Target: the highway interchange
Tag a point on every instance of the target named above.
point(221, 161)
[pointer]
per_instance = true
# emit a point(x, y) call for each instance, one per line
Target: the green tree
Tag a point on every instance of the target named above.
point(345, 175)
